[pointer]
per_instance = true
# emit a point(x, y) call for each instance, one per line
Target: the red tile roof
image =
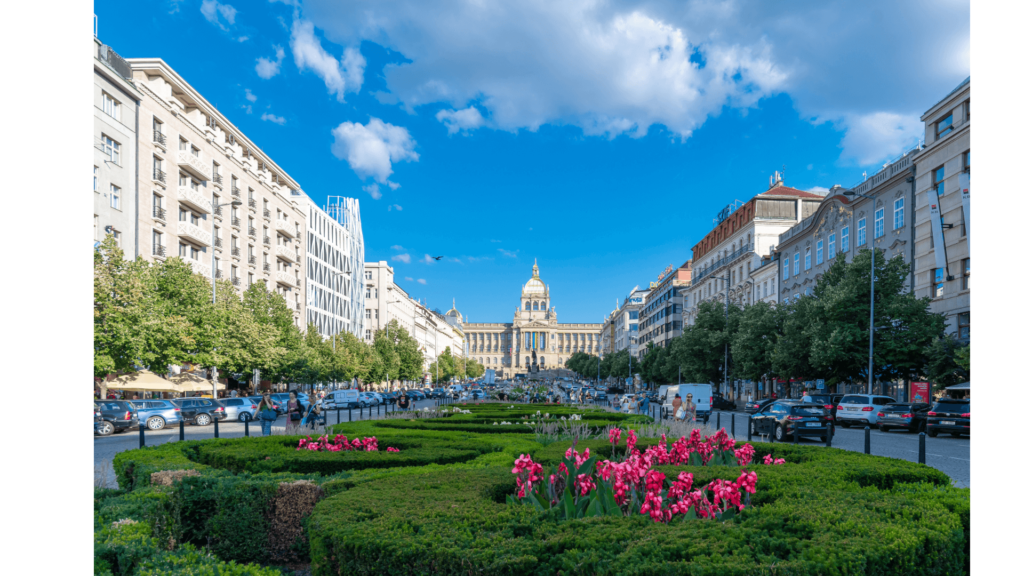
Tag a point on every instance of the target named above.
point(787, 191)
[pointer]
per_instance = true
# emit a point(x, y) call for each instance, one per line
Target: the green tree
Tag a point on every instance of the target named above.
point(943, 367)
point(792, 355)
point(701, 350)
point(474, 369)
point(963, 358)
point(387, 360)
point(759, 330)
point(410, 356)
point(444, 367)
point(241, 343)
point(270, 309)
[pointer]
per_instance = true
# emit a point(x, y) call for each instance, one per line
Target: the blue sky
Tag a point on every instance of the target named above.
point(598, 137)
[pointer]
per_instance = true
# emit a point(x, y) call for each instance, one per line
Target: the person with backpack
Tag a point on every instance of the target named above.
point(266, 414)
point(403, 401)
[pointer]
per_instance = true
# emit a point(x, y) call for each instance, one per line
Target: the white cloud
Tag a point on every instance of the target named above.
point(395, 206)
point(456, 260)
point(407, 278)
point(818, 190)
point(267, 68)
point(242, 38)
point(616, 67)
point(873, 138)
point(272, 118)
point(247, 108)
point(402, 258)
point(475, 259)
point(422, 281)
point(456, 120)
point(428, 259)
point(371, 149)
point(509, 253)
point(397, 247)
point(249, 95)
point(374, 191)
point(346, 76)
point(222, 15)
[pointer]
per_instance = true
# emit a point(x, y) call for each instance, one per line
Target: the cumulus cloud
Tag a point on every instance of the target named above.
point(267, 68)
point(222, 15)
point(309, 54)
point(373, 190)
point(242, 38)
point(456, 260)
point(422, 281)
point(272, 118)
point(249, 95)
point(458, 120)
point(509, 253)
point(616, 67)
point(428, 259)
point(873, 138)
point(402, 258)
point(397, 247)
point(818, 190)
point(371, 149)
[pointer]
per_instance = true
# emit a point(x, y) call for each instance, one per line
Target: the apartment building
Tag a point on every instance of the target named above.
point(661, 317)
point(743, 235)
point(942, 256)
point(764, 281)
point(878, 215)
point(627, 321)
point(385, 300)
point(210, 196)
point(334, 263)
point(115, 168)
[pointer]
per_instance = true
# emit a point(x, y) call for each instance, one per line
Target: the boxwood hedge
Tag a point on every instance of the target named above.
point(438, 507)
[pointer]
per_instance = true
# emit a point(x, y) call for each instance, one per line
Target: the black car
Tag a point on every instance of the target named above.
point(830, 401)
point(115, 416)
point(719, 402)
point(389, 397)
point(754, 406)
point(199, 411)
point(948, 415)
point(905, 415)
point(782, 418)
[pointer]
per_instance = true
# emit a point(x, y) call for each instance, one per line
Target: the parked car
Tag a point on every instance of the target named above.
point(199, 411)
point(719, 402)
point(241, 409)
point(783, 418)
point(830, 401)
point(116, 416)
point(949, 415)
point(904, 415)
point(157, 413)
point(416, 395)
point(388, 397)
point(600, 396)
point(341, 399)
point(366, 399)
point(755, 406)
point(861, 409)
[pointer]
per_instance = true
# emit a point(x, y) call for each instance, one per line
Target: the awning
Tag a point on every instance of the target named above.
point(142, 381)
point(187, 382)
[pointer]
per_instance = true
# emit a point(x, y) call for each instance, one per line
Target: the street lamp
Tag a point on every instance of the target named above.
point(213, 281)
point(871, 330)
point(728, 284)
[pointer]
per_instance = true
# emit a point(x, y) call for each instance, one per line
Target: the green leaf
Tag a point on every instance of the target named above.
point(690, 514)
point(728, 514)
point(570, 507)
point(587, 466)
point(581, 506)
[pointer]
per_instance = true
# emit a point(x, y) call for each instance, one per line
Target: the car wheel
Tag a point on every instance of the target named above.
point(155, 423)
point(244, 417)
point(105, 428)
point(933, 433)
point(780, 434)
point(844, 424)
point(203, 420)
point(883, 428)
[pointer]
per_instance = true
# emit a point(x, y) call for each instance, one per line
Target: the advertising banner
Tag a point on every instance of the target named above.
point(921, 392)
point(965, 190)
point(937, 235)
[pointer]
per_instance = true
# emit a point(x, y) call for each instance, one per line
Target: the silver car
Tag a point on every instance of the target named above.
point(241, 409)
point(157, 413)
point(861, 409)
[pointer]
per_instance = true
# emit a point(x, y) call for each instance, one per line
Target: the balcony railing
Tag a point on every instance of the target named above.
point(252, 260)
point(159, 138)
point(194, 165)
point(287, 228)
point(220, 274)
point(236, 281)
point(286, 253)
point(159, 250)
point(217, 211)
point(159, 213)
point(194, 199)
point(198, 268)
point(218, 179)
point(236, 222)
point(252, 203)
point(218, 242)
point(159, 175)
point(236, 192)
point(266, 240)
point(286, 278)
point(723, 262)
point(266, 267)
point(196, 233)
point(236, 251)
point(266, 213)
point(252, 232)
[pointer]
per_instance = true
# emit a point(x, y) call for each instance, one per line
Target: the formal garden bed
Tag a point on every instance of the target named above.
point(446, 501)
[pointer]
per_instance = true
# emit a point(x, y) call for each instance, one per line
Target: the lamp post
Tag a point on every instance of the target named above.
point(213, 279)
point(871, 330)
point(728, 284)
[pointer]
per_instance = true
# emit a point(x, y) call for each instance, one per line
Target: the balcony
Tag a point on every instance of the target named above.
point(218, 179)
point(193, 165)
point(236, 281)
point(252, 203)
point(286, 253)
point(236, 252)
point(252, 260)
point(159, 213)
point(159, 250)
point(218, 213)
point(193, 199)
point(266, 240)
point(220, 274)
point(196, 234)
point(236, 193)
point(291, 305)
point(286, 279)
point(159, 176)
point(236, 222)
point(252, 232)
point(199, 268)
point(218, 243)
point(266, 266)
point(266, 213)
point(160, 140)
point(287, 228)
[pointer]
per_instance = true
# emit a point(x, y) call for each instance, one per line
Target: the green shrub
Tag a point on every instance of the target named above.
point(192, 562)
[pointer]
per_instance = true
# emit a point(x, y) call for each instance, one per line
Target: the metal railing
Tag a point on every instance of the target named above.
point(159, 213)
point(219, 275)
point(116, 63)
point(723, 262)
point(236, 192)
point(266, 267)
point(252, 260)
point(159, 138)
point(236, 222)
point(252, 203)
point(252, 232)
point(266, 240)
point(236, 281)
point(266, 213)
point(159, 250)
point(217, 211)
point(218, 243)
point(236, 251)
point(159, 175)
point(217, 178)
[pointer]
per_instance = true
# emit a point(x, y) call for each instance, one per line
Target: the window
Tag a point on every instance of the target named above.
point(112, 149)
point(819, 252)
point(757, 292)
point(182, 144)
point(773, 286)
point(967, 110)
point(861, 231)
point(111, 107)
point(897, 214)
point(117, 236)
point(937, 284)
point(963, 321)
point(115, 197)
point(785, 269)
point(944, 126)
point(807, 260)
point(880, 222)
point(369, 314)
point(158, 127)
point(844, 239)
point(95, 187)
point(796, 263)
point(182, 250)
point(831, 246)
point(965, 269)
point(938, 175)
point(967, 161)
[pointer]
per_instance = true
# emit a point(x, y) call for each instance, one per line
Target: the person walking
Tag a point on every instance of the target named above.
point(266, 414)
point(315, 416)
point(294, 414)
point(615, 402)
point(689, 410)
point(403, 401)
point(677, 403)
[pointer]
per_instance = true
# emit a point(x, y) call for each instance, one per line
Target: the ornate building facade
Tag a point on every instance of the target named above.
point(534, 340)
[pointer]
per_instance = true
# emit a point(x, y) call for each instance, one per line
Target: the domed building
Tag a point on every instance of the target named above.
point(534, 341)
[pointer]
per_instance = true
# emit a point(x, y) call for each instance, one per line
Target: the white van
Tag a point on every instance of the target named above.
point(701, 397)
point(341, 399)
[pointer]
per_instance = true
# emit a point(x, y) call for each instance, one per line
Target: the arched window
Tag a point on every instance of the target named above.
point(543, 306)
point(541, 360)
point(536, 306)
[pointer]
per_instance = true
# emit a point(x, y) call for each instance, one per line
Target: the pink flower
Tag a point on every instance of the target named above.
point(614, 435)
point(631, 440)
point(744, 454)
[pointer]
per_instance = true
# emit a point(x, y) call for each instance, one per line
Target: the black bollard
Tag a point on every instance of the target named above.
point(867, 439)
point(771, 437)
point(734, 426)
point(350, 413)
point(181, 429)
point(216, 426)
point(828, 437)
point(360, 412)
point(142, 434)
point(247, 427)
point(920, 448)
point(750, 429)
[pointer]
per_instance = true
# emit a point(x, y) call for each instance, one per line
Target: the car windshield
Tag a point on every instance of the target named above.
point(808, 411)
point(956, 407)
point(856, 400)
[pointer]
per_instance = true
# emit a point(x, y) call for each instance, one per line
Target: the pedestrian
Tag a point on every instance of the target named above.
point(234, 393)
point(315, 416)
point(677, 403)
point(266, 414)
point(615, 402)
point(403, 401)
point(689, 410)
point(294, 414)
